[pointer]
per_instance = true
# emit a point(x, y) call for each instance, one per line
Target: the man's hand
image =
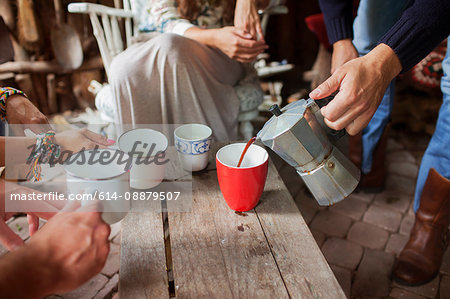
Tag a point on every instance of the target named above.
point(361, 83)
point(343, 51)
point(70, 249)
point(74, 257)
point(20, 111)
point(246, 18)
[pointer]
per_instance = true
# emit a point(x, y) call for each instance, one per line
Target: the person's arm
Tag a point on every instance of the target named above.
point(338, 16)
point(246, 17)
point(15, 150)
point(421, 27)
point(339, 23)
point(70, 249)
point(18, 110)
point(164, 17)
point(235, 43)
point(361, 83)
point(27, 269)
point(18, 149)
point(343, 52)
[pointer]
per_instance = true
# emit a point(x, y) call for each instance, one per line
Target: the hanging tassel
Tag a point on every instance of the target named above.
point(45, 150)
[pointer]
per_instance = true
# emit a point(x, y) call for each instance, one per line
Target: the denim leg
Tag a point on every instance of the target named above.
point(374, 19)
point(372, 133)
point(437, 154)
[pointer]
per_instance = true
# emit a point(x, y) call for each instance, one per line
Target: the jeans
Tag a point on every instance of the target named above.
point(437, 154)
point(374, 19)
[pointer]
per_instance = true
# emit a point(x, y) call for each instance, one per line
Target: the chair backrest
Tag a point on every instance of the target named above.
point(111, 30)
point(106, 27)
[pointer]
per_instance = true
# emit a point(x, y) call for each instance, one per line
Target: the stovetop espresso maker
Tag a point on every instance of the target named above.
point(295, 133)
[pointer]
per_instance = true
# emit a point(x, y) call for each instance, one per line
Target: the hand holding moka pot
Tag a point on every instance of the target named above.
point(296, 135)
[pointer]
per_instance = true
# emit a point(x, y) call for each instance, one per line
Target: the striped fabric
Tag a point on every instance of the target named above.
point(6, 92)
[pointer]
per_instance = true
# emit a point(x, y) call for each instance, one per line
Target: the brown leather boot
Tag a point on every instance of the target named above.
point(372, 182)
point(421, 257)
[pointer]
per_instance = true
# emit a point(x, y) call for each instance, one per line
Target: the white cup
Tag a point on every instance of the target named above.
point(147, 148)
point(107, 180)
point(193, 142)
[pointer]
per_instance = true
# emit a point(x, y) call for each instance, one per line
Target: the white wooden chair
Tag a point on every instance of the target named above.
point(106, 29)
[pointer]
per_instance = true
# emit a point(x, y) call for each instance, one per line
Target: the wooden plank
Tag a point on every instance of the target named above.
point(142, 258)
point(143, 261)
point(305, 271)
point(217, 253)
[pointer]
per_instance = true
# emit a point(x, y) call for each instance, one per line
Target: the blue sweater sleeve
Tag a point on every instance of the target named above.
point(422, 26)
point(338, 15)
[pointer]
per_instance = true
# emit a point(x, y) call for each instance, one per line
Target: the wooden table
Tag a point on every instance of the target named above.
point(212, 252)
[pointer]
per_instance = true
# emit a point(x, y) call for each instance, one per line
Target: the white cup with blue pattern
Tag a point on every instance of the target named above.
point(193, 142)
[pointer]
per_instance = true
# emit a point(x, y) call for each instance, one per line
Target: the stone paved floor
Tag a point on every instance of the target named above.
point(361, 236)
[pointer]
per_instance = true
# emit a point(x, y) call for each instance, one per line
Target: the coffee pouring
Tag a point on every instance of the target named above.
point(298, 135)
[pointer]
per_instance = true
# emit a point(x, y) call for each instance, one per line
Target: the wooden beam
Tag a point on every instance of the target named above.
point(23, 67)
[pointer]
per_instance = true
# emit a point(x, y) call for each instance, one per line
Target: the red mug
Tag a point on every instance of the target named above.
point(242, 186)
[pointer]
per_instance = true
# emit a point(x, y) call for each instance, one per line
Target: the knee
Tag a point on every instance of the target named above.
point(174, 47)
point(120, 69)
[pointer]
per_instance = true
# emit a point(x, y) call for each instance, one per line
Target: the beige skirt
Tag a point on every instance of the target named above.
point(171, 79)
